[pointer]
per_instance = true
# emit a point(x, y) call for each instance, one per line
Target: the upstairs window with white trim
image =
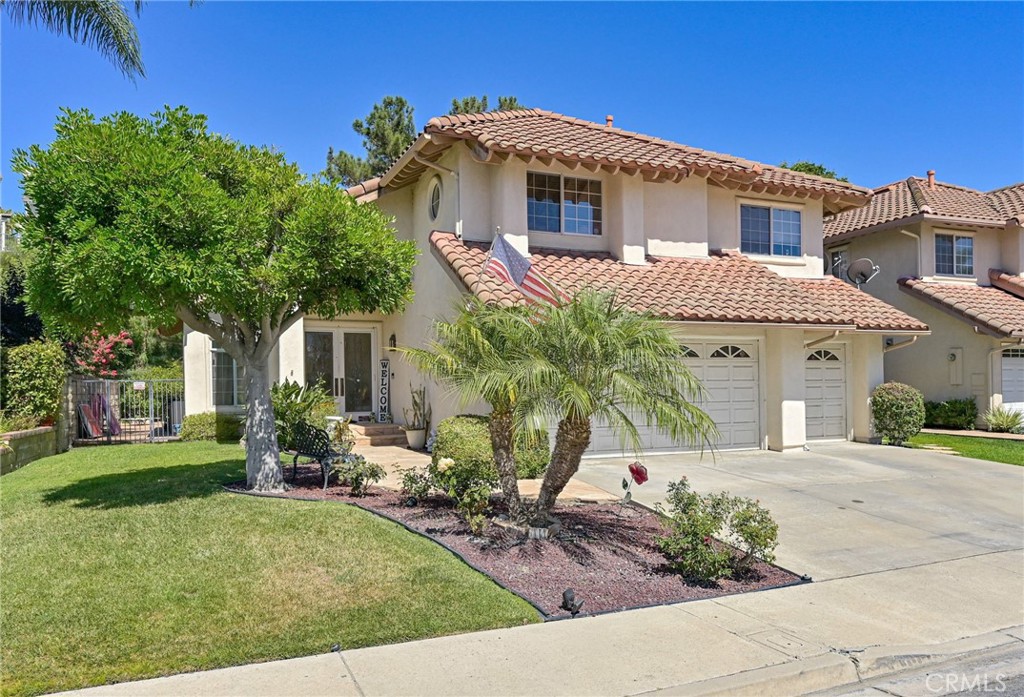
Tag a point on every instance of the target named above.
point(228, 380)
point(555, 203)
point(954, 255)
point(765, 230)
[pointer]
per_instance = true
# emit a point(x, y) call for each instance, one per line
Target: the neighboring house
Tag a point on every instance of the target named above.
point(727, 251)
point(951, 256)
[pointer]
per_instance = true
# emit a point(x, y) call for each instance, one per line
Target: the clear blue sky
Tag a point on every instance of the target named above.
point(876, 91)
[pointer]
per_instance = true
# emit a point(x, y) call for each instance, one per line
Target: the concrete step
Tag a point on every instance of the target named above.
point(372, 429)
point(399, 439)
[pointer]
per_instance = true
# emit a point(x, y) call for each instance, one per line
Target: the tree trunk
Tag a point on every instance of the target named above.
point(571, 441)
point(262, 457)
point(502, 442)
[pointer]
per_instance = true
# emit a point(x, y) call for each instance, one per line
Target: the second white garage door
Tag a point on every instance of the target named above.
point(825, 394)
point(1013, 379)
point(729, 373)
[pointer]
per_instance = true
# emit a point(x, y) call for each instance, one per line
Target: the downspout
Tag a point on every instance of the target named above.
point(920, 260)
point(902, 344)
point(458, 189)
point(822, 340)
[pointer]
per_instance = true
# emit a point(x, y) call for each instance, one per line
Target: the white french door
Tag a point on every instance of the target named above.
point(341, 359)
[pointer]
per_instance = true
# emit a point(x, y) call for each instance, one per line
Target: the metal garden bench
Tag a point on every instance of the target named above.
point(312, 443)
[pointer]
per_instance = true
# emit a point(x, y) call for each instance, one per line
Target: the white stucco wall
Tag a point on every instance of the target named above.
point(926, 365)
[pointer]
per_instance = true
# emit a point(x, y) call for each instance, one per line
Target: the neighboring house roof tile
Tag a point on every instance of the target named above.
point(725, 287)
point(997, 312)
point(1009, 200)
point(550, 136)
point(1008, 282)
point(914, 196)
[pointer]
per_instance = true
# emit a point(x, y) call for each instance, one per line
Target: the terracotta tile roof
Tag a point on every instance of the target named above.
point(1009, 200)
point(550, 136)
point(1008, 282)
point(725, 287)
point(997, 312)
point(913, 196)
point(365, 191)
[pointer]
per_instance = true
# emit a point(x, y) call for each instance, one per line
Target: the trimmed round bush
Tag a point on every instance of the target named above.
point(33, 380)
point(897, 411)
point(466, 440)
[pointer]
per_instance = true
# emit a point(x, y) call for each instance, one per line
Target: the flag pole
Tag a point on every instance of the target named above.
point(487, 259)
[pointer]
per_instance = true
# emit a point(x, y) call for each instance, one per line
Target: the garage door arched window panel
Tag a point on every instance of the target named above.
point(729, 351)
point(1013, 378)
point(822, 355)
point(689, 352)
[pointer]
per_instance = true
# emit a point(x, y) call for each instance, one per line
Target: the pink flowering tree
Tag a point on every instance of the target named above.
point(104, 355)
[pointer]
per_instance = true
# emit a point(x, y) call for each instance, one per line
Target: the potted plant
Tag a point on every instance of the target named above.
point(417, 425)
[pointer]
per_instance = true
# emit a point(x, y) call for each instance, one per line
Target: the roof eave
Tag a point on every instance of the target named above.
point(980, 325)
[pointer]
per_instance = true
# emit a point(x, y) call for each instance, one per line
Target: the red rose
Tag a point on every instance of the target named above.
point(638, 472)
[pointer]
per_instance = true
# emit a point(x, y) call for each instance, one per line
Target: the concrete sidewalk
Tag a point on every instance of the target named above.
point(917, 559)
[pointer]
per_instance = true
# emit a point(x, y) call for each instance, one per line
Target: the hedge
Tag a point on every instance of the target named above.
point(898, 411)
point(466, 440)
point(211, 425)
point(953, 413)
point(33, 380)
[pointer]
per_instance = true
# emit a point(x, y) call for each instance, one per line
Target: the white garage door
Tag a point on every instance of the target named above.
point(1013, 378)
point(729, 373)
point(825, 394)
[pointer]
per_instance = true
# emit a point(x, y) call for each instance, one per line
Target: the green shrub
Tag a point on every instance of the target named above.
point(689, 539)
point(1003, 420)
point(897, 411)
point(33, 380)
point(953, 413)
point(211, 425)
point(359, 473)
point(16, 422)
point(466, 440)
point(698, 523)
point(295, 403)
point(416, 483)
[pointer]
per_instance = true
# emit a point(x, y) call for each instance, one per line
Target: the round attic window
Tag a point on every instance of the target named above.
point(435, 198)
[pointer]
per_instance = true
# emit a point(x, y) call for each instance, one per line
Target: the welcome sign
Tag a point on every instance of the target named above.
point(384, 392)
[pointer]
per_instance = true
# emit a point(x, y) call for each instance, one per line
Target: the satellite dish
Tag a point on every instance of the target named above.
point(861, 271)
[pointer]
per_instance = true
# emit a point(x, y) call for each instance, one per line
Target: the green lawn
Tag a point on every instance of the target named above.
point(127, 562)
point(1009, 451)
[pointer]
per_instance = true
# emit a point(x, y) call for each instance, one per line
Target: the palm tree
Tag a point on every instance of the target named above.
point(594, 358)
point(476, 355)
point(102, 24)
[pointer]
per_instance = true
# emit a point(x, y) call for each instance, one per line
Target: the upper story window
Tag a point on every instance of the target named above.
point(838, 262)
point(954, 255)
point(555, 203)
point(765, 230)
point(228, 380)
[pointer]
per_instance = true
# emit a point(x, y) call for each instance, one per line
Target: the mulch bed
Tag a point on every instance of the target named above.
point(604, 552)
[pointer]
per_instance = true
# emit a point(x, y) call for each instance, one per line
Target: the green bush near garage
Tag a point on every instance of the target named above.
point(897, 411)
point(952, 413)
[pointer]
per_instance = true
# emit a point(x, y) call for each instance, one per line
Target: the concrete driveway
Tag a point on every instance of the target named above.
point(847, 508)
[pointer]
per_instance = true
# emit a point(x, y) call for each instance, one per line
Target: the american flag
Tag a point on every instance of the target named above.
point(505, 262)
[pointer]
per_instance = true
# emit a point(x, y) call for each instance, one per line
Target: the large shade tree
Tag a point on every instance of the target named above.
point(162, 218)
point(592, 359)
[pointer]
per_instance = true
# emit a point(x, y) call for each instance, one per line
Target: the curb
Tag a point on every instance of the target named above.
point(843, 668)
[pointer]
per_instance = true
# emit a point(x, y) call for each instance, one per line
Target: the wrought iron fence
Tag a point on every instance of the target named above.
point(127, 411)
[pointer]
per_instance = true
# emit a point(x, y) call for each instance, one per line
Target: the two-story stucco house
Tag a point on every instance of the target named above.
point(951, 256)
point(727, 251)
